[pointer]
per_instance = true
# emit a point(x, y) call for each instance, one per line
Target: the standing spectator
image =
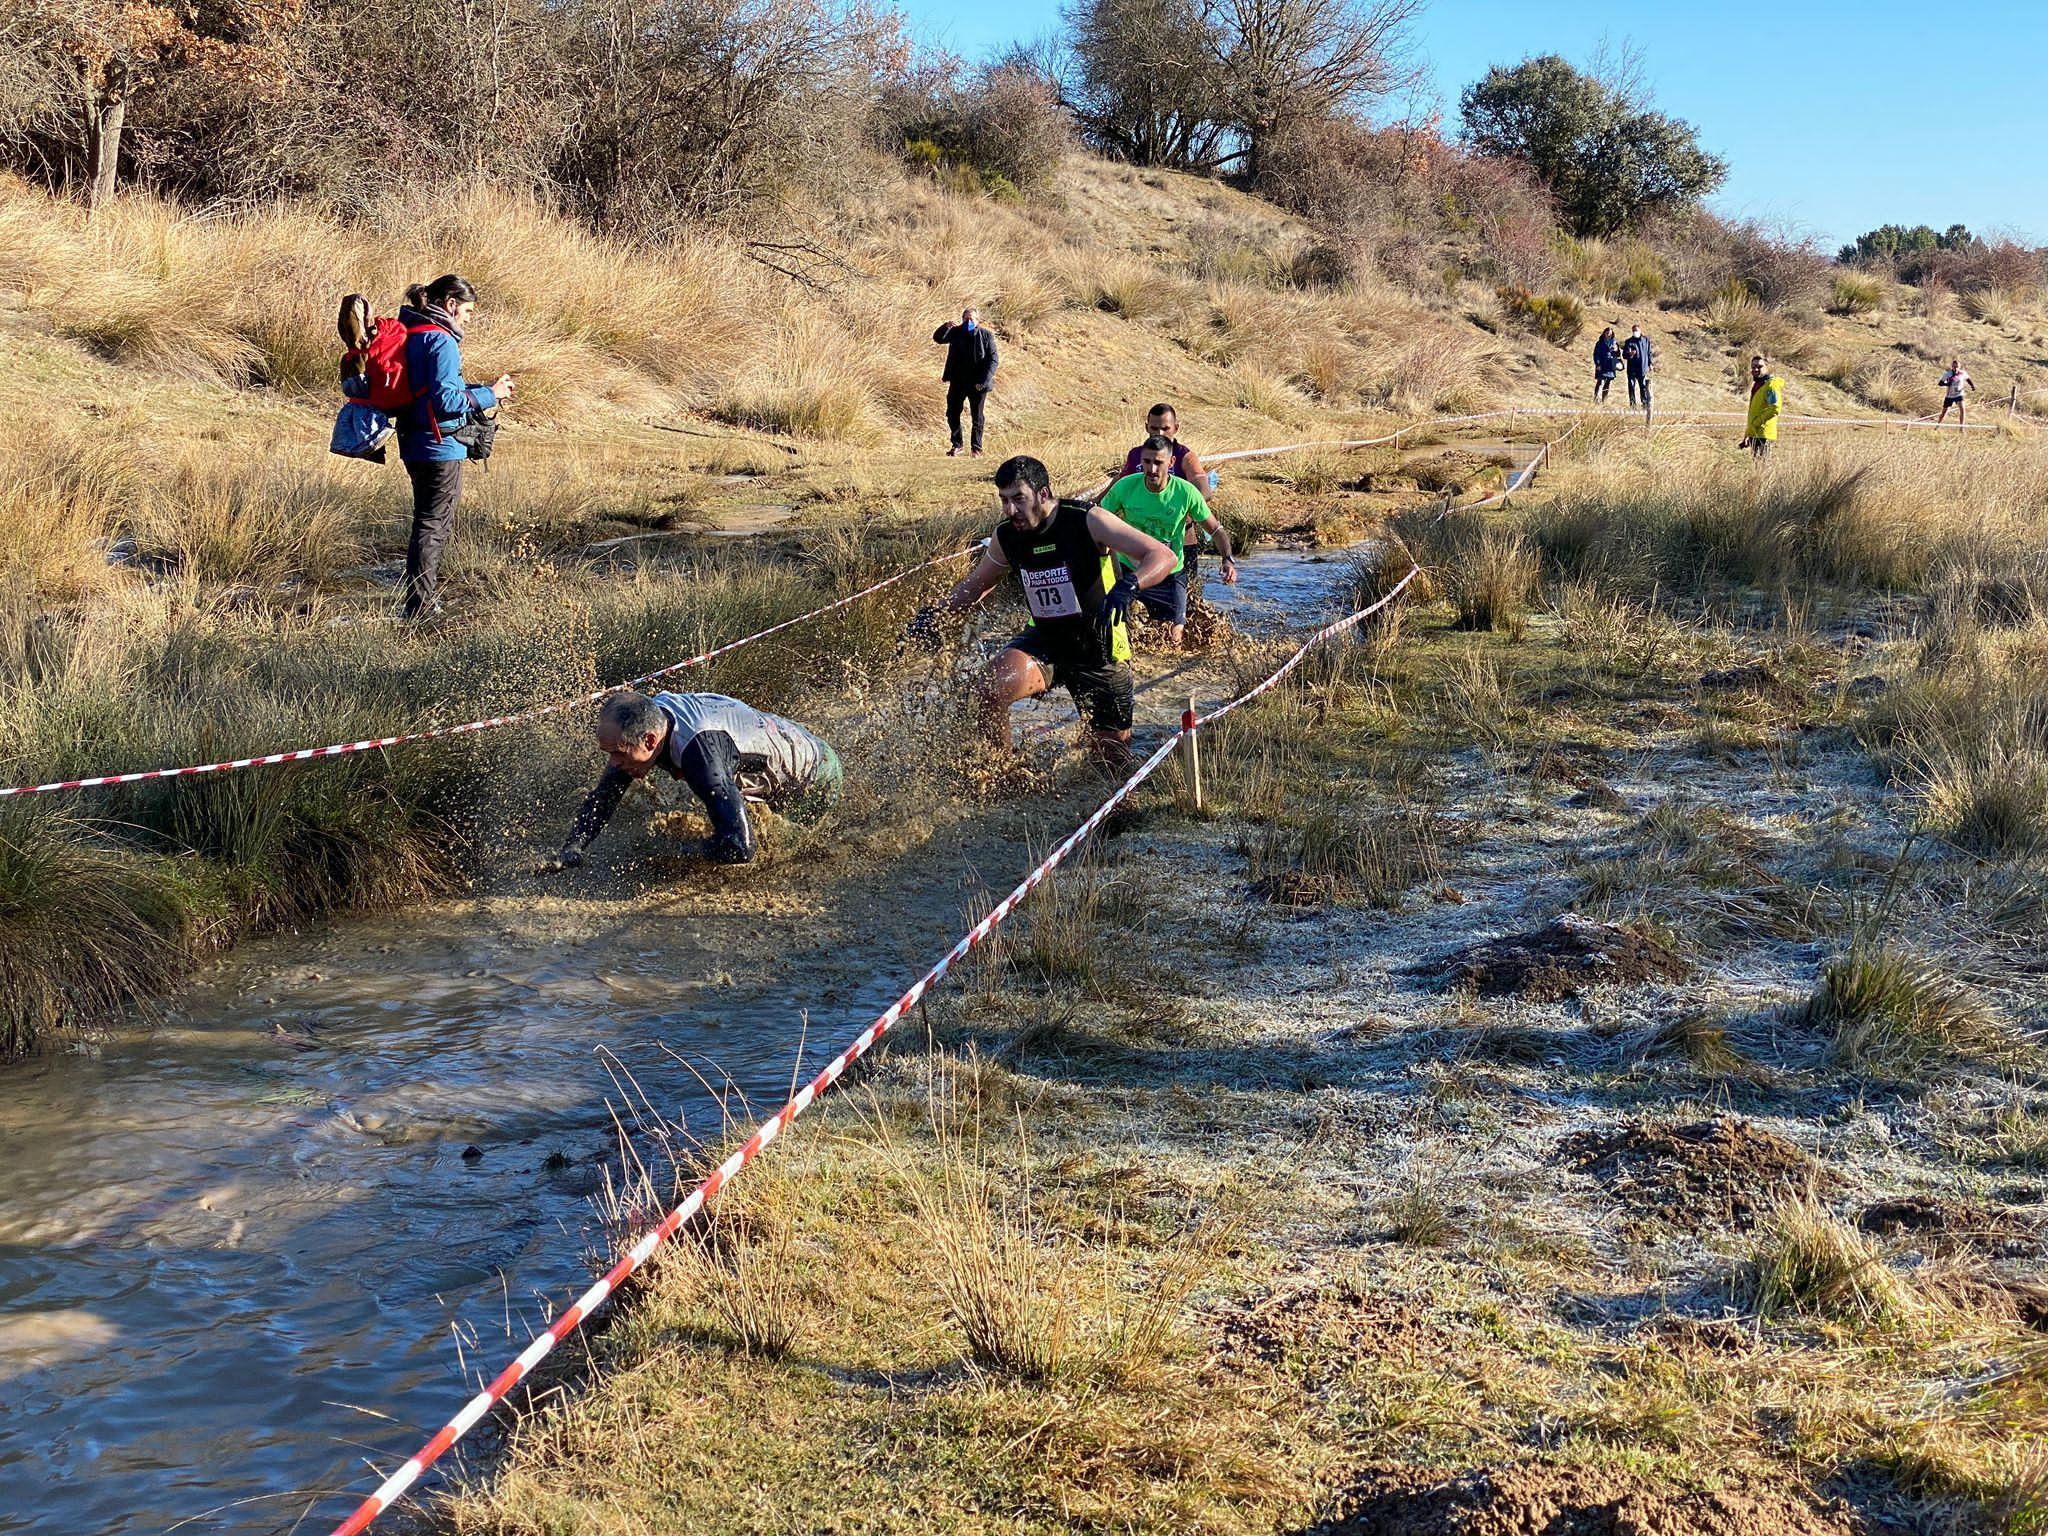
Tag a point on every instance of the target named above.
point(1953, 383)
point(1635, 352)
point(1766, 404)
point(434, 317)
point(1606, 363)
point(1164, 421)
point(970, 372)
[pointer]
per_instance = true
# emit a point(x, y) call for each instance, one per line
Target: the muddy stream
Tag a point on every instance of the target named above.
point(282, 1234)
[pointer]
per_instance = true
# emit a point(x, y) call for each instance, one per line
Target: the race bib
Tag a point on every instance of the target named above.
point(1050, 594)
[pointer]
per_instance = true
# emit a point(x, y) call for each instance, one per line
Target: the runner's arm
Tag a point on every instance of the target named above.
point(597, 809)
point(710, 765)
point(1154, 561)
point(987, 575)
point(1191, 462)
point(1213, 525)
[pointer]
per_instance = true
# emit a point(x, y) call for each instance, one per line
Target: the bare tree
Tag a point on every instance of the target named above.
point(1143, 79)
point(115, 49)
point(1286, 63)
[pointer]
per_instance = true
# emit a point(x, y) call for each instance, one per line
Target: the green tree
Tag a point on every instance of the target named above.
point(1893, 244)
point(1605, 156)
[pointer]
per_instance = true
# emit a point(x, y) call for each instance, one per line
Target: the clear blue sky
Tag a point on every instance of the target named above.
point(1833, 116)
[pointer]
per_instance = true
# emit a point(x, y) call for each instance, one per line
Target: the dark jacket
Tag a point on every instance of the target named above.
point(1635, 350)
point(433, 361)
point(970, 355)
point(1606, 358)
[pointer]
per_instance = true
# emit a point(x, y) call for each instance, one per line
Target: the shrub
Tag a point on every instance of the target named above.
point(1556, 317)
point(85, 929)
point(1807, 1260)
point(1891, 382)
point(1899, 1016)
point(1855, 293)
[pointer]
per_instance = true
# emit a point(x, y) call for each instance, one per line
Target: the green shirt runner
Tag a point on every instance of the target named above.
point(1163, 514)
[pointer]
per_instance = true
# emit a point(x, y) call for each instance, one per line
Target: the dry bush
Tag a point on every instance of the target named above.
point(1023, 301)
point(1891, 382)
point(257, 525)
point(62, 495)
point(1998, 307)
point(1900, 1016)
point(1855, 293)
point(86, 928)
point(1446, 373)
point(812, 385)
point(1749, 325)
point(1113, 282)
point(1325, 367)
point(1627, 270)
point(1809, 1262)
point(1266, 395)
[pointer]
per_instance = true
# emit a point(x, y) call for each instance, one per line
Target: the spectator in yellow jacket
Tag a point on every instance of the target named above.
point(1766, 405)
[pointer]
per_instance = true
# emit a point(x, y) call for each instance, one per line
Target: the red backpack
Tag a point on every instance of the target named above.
point(376, 355)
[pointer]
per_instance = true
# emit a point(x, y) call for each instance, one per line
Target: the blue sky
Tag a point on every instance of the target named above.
point(1833, 116)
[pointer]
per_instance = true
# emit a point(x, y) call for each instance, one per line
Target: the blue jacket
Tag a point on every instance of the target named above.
point(1606, 358)
point(434, 363)
point(1636, 349)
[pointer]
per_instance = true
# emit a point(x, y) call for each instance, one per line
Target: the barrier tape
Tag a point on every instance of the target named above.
point(473, 1412)
point(379, 743)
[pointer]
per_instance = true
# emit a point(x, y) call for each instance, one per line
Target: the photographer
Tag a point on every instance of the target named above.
point(436, 433)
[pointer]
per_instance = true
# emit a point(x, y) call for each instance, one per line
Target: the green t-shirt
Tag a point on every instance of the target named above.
point(1163, 514)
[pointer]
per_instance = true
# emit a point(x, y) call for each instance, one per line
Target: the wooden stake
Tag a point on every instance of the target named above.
point(1191, 756)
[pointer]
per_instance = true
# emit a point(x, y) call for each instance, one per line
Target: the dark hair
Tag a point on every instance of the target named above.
point(631, 715)
point(446, 290)
point(1163, 409)
point(1025, 469)
point(1607, 333)
point(1157, 444)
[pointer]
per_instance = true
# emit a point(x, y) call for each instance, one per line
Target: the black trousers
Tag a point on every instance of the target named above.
point(1639, 382)
point(436, 488)
point(958, 395)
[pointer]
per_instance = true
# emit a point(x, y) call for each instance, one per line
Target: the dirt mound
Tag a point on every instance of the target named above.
point(1722, 1170)
point(1324, 1327)
point(1559, 960)
point(1536, 1500)
point(1950, 1225)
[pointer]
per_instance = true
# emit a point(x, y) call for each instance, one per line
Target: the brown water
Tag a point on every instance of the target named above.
point(229, 1247)
point(247, 1254)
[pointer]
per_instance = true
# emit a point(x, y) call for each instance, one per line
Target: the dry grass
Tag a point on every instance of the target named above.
point(1901, 1016)
point(1891, 382)
point(1809, 1262)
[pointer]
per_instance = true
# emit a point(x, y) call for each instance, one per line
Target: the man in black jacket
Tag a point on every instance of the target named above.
point(970, 372)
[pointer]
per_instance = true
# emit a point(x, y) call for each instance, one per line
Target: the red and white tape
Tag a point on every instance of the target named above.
point(468, 727)
point(473, 1412)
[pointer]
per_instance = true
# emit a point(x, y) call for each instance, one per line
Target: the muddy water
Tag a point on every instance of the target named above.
point(228, 1245)
point(1280, 589)
point(287, 1232)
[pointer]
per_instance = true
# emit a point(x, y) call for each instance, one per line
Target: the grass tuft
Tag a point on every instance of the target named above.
point(1899, 1016)
point(1809, 1262)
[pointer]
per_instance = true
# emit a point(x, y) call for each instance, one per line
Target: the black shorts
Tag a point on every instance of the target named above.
point(1101, 689)
point(1168, 601)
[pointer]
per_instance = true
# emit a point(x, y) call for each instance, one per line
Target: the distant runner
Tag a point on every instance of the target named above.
point(1077, 637)
point(1766, 405)
point(726, 751)
point(1953, 383)
point(1164, 421)
point(1158, 501)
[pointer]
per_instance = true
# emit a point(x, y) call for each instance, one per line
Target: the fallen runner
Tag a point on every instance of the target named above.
point(726, 751)
point(1078, 635)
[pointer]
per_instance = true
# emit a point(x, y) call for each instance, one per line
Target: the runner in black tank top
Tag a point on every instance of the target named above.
point(1077, 638)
